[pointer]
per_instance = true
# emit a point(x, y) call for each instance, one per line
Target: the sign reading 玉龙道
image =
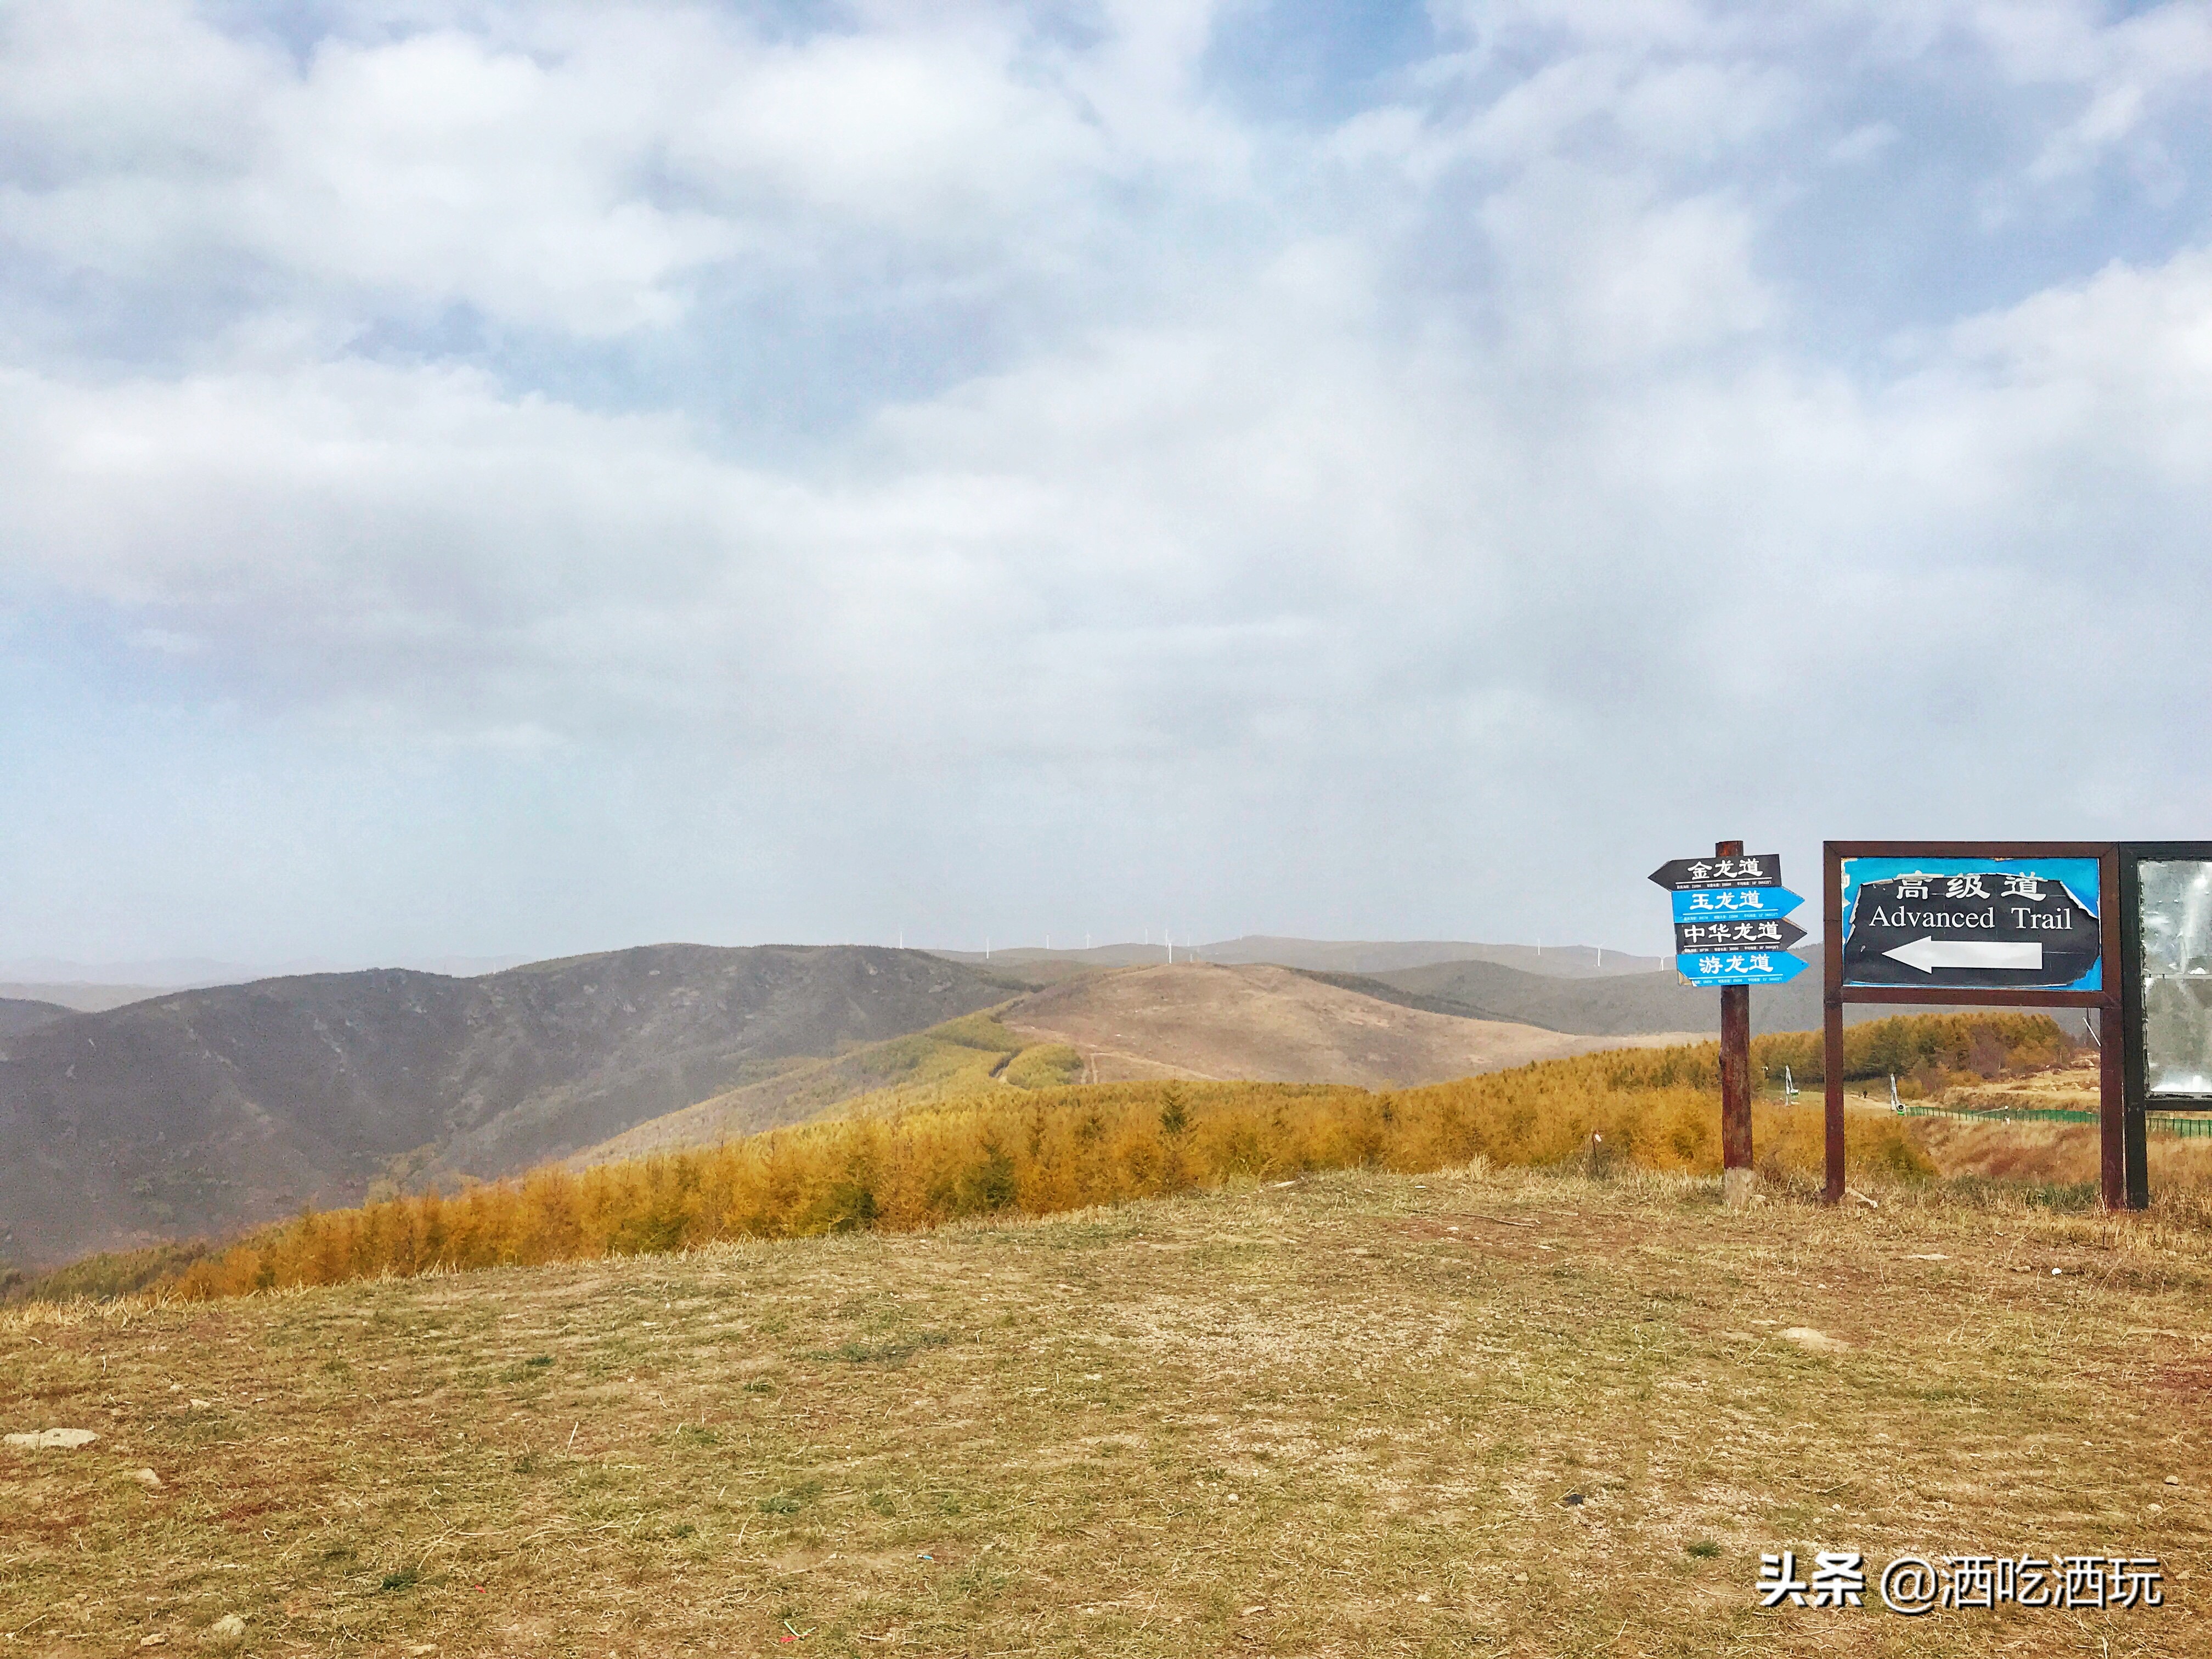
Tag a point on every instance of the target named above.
point(1739, 967)
point(1736, 934)
point(1735, 904)
point(2014, 924)
point(1679, 875)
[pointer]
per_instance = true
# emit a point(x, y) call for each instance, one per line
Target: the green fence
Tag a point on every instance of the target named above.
point(2181, 1127)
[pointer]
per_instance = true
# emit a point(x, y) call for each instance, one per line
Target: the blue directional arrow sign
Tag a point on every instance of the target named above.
point(1735, 903)
point(1739, 967)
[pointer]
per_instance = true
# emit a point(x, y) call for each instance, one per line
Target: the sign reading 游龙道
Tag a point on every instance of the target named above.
point(2012, 923)
point(1739, 967)
point(1679, 875)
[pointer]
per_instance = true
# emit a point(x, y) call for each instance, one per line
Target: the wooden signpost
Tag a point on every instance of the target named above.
point(1730, 931)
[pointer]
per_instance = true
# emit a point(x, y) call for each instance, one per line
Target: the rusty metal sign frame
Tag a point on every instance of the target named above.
point(2119, 1175)
point(2133, 854)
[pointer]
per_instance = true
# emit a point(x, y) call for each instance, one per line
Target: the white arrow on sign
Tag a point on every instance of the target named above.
point(1930, 954)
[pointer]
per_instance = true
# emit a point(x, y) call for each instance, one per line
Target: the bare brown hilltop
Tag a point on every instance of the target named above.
point(1275, 1025)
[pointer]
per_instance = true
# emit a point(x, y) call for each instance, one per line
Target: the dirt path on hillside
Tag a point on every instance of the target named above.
point(1269, 1024)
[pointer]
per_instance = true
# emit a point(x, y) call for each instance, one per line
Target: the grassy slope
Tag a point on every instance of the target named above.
point(1340, 1418)
point(943, 1062)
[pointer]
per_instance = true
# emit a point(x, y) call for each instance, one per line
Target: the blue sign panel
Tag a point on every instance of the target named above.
point(1739, 967)
point(1735, 904)
point(1972, 923)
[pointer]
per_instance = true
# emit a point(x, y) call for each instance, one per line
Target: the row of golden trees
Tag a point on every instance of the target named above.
point(1038, 1153)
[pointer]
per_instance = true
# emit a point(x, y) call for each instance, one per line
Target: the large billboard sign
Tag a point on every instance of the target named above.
point(2120, 930)
point(1986, 924)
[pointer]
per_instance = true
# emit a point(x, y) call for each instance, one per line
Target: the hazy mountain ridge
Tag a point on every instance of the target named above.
point(1610, 1007)
point(21, 1014)
point(79, 997)
point(207, 1110)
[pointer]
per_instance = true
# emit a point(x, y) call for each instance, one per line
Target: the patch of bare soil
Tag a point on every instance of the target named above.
point(1269, 1024)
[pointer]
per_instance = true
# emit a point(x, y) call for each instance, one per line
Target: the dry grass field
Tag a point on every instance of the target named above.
point(1519, 1413)
point(2050, 1154)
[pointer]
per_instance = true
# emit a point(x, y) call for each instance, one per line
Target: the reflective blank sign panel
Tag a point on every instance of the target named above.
point(2177, 965)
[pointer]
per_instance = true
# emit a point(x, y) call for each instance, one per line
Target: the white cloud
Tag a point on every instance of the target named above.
point(577, 168)
point(1463, 465)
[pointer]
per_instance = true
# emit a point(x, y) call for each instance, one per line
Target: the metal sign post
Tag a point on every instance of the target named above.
point(2004, 924)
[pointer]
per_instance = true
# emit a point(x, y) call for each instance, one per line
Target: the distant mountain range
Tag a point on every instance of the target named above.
point(200, 1111)
point(96, 986)
point(189, 973)
point(1322, 956)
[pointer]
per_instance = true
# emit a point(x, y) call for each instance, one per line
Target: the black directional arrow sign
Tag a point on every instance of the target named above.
point(1729, 935)
point(1689, 875)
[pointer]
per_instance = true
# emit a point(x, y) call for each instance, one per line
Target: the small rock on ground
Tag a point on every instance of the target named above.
point(1815, 1341)
point(41, 1439)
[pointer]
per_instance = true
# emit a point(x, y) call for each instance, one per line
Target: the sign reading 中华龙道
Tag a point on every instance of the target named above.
point(1736, 934)
point(1972, 923)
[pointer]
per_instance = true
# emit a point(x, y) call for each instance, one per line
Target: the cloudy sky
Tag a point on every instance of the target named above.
point(528, 478)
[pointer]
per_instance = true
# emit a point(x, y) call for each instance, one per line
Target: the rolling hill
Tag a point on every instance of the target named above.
point(1268, 1025)
point(1195, 1020)
point(206, 1111)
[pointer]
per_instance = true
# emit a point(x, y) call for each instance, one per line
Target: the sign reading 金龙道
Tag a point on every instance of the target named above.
point(1972, 923)
point(1757, 870)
